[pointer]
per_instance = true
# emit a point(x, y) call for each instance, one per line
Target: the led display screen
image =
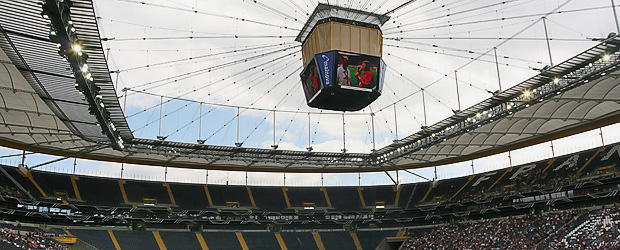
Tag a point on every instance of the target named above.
point(357, 70)
point(311, 80)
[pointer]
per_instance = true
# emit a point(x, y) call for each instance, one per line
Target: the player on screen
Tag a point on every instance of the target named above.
point(314, 79)
point(342, 73)
point(364, 75)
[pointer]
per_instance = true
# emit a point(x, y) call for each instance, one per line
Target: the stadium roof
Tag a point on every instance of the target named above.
point(43, 112)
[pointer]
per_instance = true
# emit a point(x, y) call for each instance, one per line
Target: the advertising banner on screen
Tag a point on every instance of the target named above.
point(325, 63)
point(357, 70)
point(311, 80)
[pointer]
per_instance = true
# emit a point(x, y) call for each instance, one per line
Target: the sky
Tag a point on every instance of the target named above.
point(240, 57)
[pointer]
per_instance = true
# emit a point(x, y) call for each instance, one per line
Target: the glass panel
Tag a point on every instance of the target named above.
point(326, 37)
point(317, 42)
point(346, 37)
point(304, 53)
point(365, 41)
point(380, 44)
point(374, 42)
point(355, 39)
point(320, 36)
point(336, 38)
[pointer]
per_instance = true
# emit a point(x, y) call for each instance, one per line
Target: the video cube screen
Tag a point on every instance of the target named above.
point(357, 70)
point(311, 80)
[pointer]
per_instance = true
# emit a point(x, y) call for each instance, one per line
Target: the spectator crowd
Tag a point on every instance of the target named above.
point(524, 232)
point(29, 240)
point(600, 231)
point(568, 229)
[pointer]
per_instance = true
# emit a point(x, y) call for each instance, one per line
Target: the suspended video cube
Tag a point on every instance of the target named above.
point(342, 57)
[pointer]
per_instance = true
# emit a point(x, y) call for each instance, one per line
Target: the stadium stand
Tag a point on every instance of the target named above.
point(341, 216)
point(298, 196)
point(299, 240)
point(337, 240)
point(137, 192)
point(180, 240)
point(222, 195)
point(90, 190)
point(100, 239)
point(269, 198)
point(190, 196)
point(371, 239)
point(260, 240)
point(135, 240)
point(222, 240)
point(344, 198)
point(383, 194)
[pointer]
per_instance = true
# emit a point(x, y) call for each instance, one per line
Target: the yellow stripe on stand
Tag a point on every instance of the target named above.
point(68, 233)
point(463, 187)
point(174, 203)
point(202, 242)
point(507, 171)
point(251, 197)
point(544, 170)
point(116, 245)
point(121, 185)
point(36, 184)
point(317, 239)
point(288, 203)
point(329, 203)
point(281, 241)
point(75, 187)
point(430, 187)
point(208, 196)
point(548, 165)
point(242, 241)
point(356, 241)
point(591, 158)
point(359, 192)
point(160, 242)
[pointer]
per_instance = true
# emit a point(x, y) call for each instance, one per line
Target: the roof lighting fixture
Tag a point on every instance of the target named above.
point(84, 67)
point(527, 93)
point(77, 48)
point(556, 80)
point(606, 57)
